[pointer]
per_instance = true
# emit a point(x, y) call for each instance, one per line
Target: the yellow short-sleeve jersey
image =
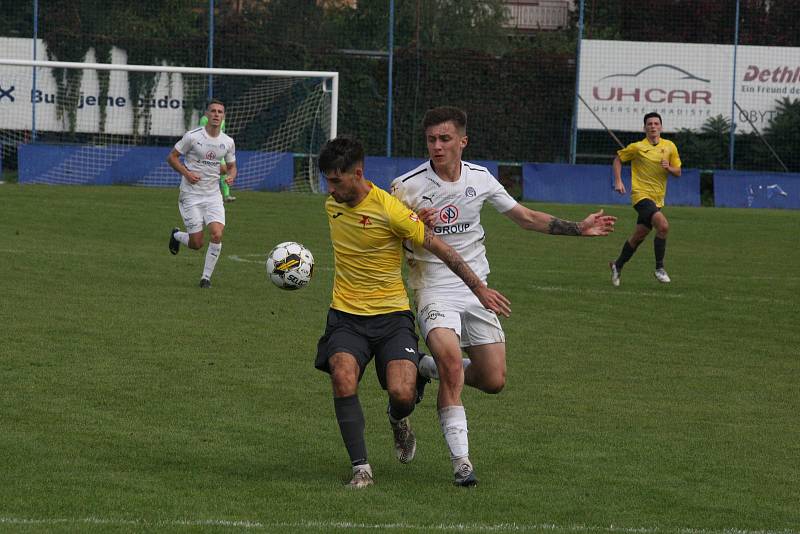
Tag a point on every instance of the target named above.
point(648, 177)
point(367, 247)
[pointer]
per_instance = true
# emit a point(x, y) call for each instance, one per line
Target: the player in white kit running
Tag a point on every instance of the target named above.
point(448, 195)
point(200, 201)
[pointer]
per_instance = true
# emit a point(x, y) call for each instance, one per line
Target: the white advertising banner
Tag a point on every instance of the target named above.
point(18, 97)
point(686, 83)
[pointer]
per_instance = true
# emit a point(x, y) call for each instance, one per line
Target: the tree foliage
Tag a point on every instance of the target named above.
point(783, 132)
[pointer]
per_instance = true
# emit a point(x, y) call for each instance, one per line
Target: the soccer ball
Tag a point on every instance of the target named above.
point(290, 265)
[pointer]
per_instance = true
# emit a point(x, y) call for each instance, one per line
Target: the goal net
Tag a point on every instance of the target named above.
point(97, 123)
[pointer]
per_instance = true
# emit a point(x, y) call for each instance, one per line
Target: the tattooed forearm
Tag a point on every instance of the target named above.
point(452, 259)
point(460, 267)
point(561, 227)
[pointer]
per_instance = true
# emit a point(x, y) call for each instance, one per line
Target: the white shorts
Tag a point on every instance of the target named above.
point(460, 311)
point(199, 210)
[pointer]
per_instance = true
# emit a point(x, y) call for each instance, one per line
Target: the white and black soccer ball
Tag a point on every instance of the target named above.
point(290, 265)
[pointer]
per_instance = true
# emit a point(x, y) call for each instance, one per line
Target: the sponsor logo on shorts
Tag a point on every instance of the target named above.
point(432, 315)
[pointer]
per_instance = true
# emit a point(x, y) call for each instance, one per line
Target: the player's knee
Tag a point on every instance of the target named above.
point(344, 375)
point(195, 243)
point(494, 384)
point(343, 383)
point(402, 401)
point(451, 371)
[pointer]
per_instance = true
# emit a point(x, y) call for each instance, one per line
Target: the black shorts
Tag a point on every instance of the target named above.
point(646, 208)
point(386, 337)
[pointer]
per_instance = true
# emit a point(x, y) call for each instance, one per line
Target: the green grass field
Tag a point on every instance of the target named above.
point(131, 400)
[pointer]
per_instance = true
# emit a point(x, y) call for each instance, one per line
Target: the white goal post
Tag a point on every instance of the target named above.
point(101, 123)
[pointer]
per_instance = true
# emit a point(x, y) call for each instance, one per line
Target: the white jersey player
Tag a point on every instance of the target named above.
point(448, 194)
point(200, 201)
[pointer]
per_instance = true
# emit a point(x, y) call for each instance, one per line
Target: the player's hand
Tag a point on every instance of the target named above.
point(619, 187)
point(597, 224)
point(428, 216)
point(664, 164)
point(229, 180)
point(493, 300)
point(192, 178)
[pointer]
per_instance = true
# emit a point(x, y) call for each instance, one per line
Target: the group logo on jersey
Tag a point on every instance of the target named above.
point(365, 221)
point(448, 214)
point(470, 192)
point(211, 155)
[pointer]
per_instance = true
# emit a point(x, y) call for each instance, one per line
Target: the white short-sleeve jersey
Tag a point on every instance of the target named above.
point(201, 154)
point(458, 205)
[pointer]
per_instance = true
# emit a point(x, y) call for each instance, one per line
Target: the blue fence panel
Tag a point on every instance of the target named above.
point(594, 184)
point(382, 170)
point(264, 171)
point(740, 189)
point(94, 165)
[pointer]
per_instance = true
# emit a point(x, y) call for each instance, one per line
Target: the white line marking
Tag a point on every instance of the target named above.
point(343, 525)
point(234, 257)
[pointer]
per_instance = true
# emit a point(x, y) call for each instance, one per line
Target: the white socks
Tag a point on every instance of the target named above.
point(453, 420)
point(212, 255)
point(427, 366)
point(182, 237)
point(362, 467)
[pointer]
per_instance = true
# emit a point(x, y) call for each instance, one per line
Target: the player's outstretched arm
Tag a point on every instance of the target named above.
point(490, 298)
point(593, 225)
point(597, 224)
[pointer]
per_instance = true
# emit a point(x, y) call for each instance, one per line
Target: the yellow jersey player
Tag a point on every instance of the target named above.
point(370, 316)
point(652, 159)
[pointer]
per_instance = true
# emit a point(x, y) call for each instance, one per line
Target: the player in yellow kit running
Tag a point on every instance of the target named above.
point(652, 159)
